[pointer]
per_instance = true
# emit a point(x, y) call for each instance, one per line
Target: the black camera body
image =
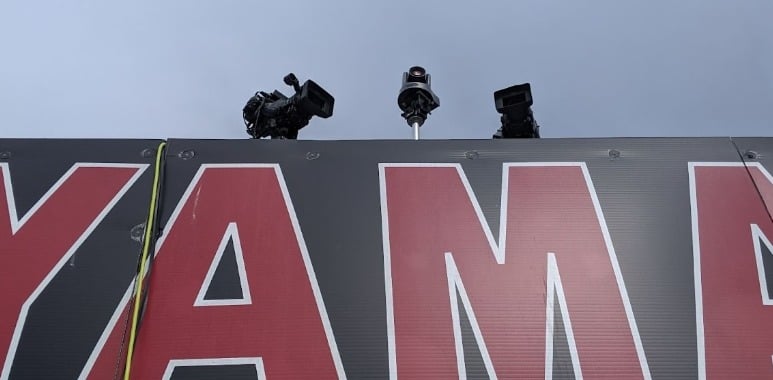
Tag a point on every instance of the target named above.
point(416, 98)
point(514, 103)
point(279, 117)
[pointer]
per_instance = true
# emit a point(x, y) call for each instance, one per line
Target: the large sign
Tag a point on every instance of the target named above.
point(563, 259)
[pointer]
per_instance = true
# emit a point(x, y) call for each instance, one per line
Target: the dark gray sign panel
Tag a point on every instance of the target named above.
point(68, 212)
point(618, 258)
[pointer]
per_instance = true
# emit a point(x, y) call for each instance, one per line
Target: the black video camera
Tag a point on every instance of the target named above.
point(280, 117)
point(416, 98)
point(514, 103)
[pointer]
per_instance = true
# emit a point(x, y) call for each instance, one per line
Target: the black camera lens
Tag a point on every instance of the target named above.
point(417, 72)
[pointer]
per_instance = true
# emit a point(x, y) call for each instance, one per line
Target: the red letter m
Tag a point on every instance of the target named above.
point(732, 234)
point(553, 244)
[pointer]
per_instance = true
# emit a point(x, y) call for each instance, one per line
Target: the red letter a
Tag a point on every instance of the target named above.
point(279, 323)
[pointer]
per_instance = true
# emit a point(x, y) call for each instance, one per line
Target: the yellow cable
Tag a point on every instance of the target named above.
point(145, 249)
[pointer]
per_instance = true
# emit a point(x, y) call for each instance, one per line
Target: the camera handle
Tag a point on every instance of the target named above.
point(292, 80)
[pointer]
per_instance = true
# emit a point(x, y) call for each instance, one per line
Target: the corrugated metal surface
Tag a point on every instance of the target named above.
point(643, 189)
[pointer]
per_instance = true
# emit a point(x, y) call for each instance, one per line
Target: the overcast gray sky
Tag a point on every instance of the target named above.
point(159, 69)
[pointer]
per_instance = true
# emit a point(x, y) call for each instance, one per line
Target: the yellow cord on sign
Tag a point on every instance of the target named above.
point(143, 260)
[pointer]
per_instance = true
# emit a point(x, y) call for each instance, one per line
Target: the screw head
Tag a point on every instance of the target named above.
point(137, 232)
point(312, 156)
point(187, 154)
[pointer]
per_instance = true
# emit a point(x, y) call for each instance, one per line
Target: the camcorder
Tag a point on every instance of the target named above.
point(277, 116)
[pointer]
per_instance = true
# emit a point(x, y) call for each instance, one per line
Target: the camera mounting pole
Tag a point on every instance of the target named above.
point(416, 98)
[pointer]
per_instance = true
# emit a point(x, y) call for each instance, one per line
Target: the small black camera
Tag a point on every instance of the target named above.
point(514, 103)
point(416, 98)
